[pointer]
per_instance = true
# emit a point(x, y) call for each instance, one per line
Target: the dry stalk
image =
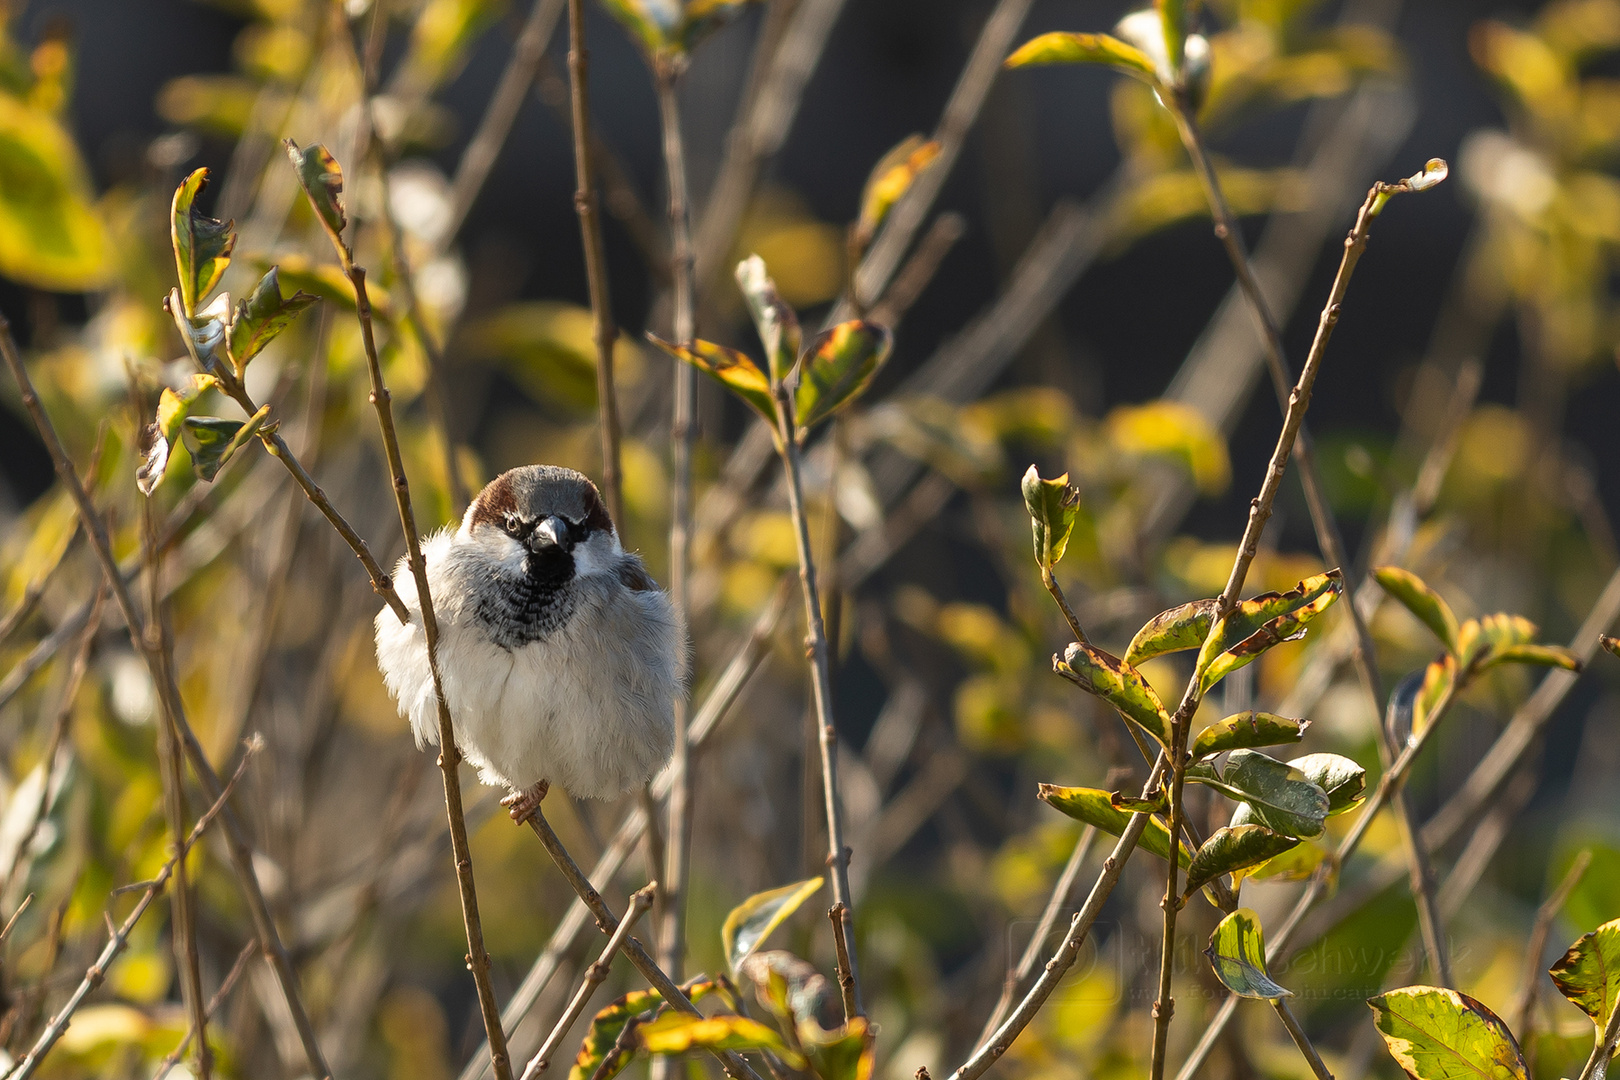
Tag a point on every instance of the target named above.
point(1297, 1033)
point(1525, 1000)
point(249, 951)
point(595, 975)
point(120, 937)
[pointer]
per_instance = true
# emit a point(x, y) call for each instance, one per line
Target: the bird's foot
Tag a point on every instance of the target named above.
point(521, 805)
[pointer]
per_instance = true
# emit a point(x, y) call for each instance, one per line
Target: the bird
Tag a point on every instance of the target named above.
point(560, 657)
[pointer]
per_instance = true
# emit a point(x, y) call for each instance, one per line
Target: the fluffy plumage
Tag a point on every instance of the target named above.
point(561, 659)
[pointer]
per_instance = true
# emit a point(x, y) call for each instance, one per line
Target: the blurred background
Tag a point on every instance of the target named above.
point(1062, 301)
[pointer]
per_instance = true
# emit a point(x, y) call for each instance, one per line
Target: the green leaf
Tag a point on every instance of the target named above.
point(1479, 639)
point(790, 988)
point(1437, 679)
point(1537, 655)
point(1173, 18)
point(1053, 506)
point(1182, 627)
point(1438, 1034)
point(649, 24)
point(1259, 624)
point(1158, 803)
point(730, 368)
point(1610, 643)
point(1093, 807)
point(52, 235)
point(1421, 601)
point(701, 17)
point(213, 441)
point(1062, 48)
point(1344, 782)
point(173, 407)
point(1233, 848)
point(264, 314)
point(844, 1054)
point(752, 921)
point(202, 245)
point(893, 174)
point(1247, 730)
point(837, 368)
point(1117, 683)
point(1298, 863)
point(1278, 794)
point(1237, 952)
point(1589, 973)
point(321, 177)
point(607, 1025)
point(678, 1033)
point(775, 320)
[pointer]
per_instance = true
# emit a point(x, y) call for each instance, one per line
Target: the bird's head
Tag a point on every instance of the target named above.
point(550, 518)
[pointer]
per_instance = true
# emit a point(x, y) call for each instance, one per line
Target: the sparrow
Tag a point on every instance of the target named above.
point(560, 657)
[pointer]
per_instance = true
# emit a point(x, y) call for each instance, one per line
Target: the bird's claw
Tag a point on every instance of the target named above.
point(521, 805)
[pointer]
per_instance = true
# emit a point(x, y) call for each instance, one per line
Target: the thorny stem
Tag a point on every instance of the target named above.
point(1329, 537)
point(171, 767)
point(682, 436)
point(478, 961)
point(640, 901)
point(241, 852)
point(249, 951)
point(816, 646)
point(607, 922)
point(1297, 1033)
point(590, 227)
point(120, 938)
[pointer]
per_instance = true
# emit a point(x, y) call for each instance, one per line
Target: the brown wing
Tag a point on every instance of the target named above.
point(634, 576)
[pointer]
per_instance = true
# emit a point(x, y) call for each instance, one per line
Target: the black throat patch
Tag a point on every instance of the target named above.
point(531, 606)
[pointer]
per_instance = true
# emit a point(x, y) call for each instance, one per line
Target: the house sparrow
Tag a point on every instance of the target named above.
point(560, 656)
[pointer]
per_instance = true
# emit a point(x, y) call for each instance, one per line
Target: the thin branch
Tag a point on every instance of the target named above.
point(838, 915)
point(1598, 1064)
point(1525, 1000)
point(640, 901)
point(171, 767)
point(682, 438)
point(727, 688)
point(120, 937)
point(821, 683)
point(603, 330)
point(919, 270)
point(240, 850)
point(249, 951)
point(449, 754)
point(1297, 1033)
point(1329, 536)
point(735, 1067)
point(53, 743)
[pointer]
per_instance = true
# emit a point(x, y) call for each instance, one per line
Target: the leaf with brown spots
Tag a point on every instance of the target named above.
point(1438, 1034)
point(1116, 682)
point(1589, 973)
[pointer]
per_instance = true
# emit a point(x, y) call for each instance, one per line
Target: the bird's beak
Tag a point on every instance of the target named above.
point(549, 532)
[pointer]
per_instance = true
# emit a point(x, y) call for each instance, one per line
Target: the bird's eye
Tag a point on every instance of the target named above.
point(514, 526)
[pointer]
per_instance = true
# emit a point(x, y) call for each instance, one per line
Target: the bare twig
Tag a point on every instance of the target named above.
point(603, 331)
point(449, 754)
point(120, 937)
point(919, 270)
point(53, 742)
point(607, 922)
point(640, 901)
point(1607, 1042)
point(1524, 1002)
point(249, 951)
point(1297, 1033)
point(838, 915)
point(238, 846)
point(171, 767)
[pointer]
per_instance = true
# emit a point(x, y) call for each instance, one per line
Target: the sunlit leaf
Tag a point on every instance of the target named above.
point(1232, 849)
point(1093, 807)
point(173, 407)
point(1298, 863)
point(893, 174)
point(1065, 48)
point(1438, 678)
point(1173, 20)
point(752, 921)
point(730, 368)
point(51, 234)
point(1421, 601)
point(1247, 730)
point(213, 441)
point(1479, 639)
point(702, 17)
point(1343, 781)
point(1237, 952)
point(1053, 506)
point(792, 989)
point(607, 1025)
point(677, 1033)
point(1116, 682)
point(1589, 973)
point(1438, 1034)
point(1157, 803)
point(844, 1054)
point(1535, 655)
point(264, 314)
point(774, 318)
point(1173, 430)
point(1277, 793)
point(837, 368)
point(1263, 622)
point(202, 245)
point(442, 36)
point(321, 177)
point(1610, 643)
point(1182, 627)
